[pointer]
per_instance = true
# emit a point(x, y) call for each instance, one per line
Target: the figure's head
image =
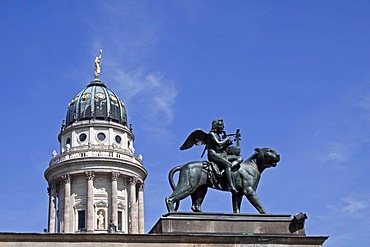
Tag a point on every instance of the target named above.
point(218, 125)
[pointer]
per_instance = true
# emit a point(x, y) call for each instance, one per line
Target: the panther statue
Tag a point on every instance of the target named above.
point(195, 179)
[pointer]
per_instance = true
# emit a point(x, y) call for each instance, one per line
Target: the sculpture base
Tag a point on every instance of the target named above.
point(225, 224)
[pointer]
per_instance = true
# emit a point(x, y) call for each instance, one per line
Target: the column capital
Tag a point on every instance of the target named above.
point(90, 175)
point(141, 187)
point(52, 184)
point(66, 178)
point(114, 176)
point(133, 181)
point(52, 189)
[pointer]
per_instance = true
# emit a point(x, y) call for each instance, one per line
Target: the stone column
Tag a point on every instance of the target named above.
point(90, 201)
point(67, 204)
point(133, 207)
point(60, 195)
point(52, 206)
point(141, 208)
point(114, 215)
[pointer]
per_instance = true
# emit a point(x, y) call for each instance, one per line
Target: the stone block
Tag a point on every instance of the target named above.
point(222, 223)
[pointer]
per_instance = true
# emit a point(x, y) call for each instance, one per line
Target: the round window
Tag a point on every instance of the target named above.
point(82, 137)
point(118, 139)
point(101, 136)
point(68, 141)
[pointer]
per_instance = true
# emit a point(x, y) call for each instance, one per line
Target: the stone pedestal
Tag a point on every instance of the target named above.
point(212, 223)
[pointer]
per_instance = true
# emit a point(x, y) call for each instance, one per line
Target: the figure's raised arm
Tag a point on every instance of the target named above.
point(221, 143)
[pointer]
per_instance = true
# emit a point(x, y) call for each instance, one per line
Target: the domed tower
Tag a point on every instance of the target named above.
point(96, 181)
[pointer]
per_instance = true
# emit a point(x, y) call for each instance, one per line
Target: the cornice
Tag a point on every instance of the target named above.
point(80, 167)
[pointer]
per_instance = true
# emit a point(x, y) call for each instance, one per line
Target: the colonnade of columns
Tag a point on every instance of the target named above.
point(136, 207)
point(136, 204)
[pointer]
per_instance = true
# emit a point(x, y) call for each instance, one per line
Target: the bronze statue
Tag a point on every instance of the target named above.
point(224, 171)
point(219, 149)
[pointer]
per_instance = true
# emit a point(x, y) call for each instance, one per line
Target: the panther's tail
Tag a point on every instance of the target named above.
point(172, 183)
point(170, 176)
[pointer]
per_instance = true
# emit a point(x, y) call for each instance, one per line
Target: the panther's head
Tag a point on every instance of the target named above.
point(266, 157)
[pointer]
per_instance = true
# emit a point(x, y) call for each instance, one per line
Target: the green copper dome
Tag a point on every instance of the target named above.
point(98, 102)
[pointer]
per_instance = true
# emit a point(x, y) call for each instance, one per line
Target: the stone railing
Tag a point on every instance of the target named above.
point(100, 151)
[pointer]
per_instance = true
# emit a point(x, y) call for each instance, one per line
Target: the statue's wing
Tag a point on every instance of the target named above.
point(197, 137)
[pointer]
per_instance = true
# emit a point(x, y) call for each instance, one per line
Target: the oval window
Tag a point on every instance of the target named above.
point(113, 98)
point(100, 96)
point(82, 137)
point(101, 136)
point(85, 96)
point(68, 141)
point(118, 139)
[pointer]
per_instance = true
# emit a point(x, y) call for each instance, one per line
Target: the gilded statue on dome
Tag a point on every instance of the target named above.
point(97, 65)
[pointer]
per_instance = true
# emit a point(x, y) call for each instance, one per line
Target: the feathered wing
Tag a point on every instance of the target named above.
point(197, 137)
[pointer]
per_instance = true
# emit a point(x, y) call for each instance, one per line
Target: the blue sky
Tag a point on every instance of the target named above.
point(292, 75)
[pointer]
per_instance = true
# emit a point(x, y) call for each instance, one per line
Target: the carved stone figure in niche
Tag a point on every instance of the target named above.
point(100, 221)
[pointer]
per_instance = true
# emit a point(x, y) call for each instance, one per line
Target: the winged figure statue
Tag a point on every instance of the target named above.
point(224, 170)
point(220, 152)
